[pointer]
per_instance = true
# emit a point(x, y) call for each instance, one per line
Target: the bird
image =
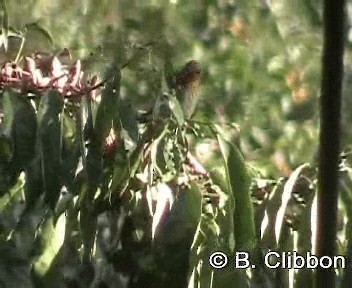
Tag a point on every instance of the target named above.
point(187, 84)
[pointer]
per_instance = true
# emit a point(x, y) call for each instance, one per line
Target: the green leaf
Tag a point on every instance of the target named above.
point(176, 109)
point(103, 122)
point(156, 160)
point(286, 196)
point(6, 152)
point(129, 127)
point(126, 165)
point(52, 236)
point(268, 232)
point(94, 169)
point(20, 125)
point(239, 182)
point(84, 127)
point(14, 194)
point(4, 18)
point(70, 148)
point(176, 233)
point(34, 182)
point(88, 227)
point(108, 107)
point(91, 148)
point(35, 27)
point(20, 129)
point(230, 278)
point(181, 222)
point(49, 136)
point(121, 169)
point(169, 74)
point(192, 207)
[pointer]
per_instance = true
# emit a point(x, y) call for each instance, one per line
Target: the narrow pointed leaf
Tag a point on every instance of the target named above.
point(49, 133)
point(239, 181)
point(19, 134)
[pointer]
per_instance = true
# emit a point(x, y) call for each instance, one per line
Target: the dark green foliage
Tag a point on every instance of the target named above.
point(49, 144)
point(18, 138)
point(106, 188)
point(239, 183)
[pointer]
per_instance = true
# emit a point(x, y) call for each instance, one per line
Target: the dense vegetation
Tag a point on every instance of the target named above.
point(105, 178)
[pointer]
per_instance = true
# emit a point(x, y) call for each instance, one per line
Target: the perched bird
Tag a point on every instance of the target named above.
point(187, 82)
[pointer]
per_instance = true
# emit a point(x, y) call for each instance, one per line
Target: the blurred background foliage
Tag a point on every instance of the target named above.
point(260, 60)
point(260, 82)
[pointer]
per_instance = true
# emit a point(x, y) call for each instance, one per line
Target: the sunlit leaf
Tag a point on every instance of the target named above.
point(286, 195)
point(164, 200)
point(52, 236)
point(239, 181)
point(176, 109)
